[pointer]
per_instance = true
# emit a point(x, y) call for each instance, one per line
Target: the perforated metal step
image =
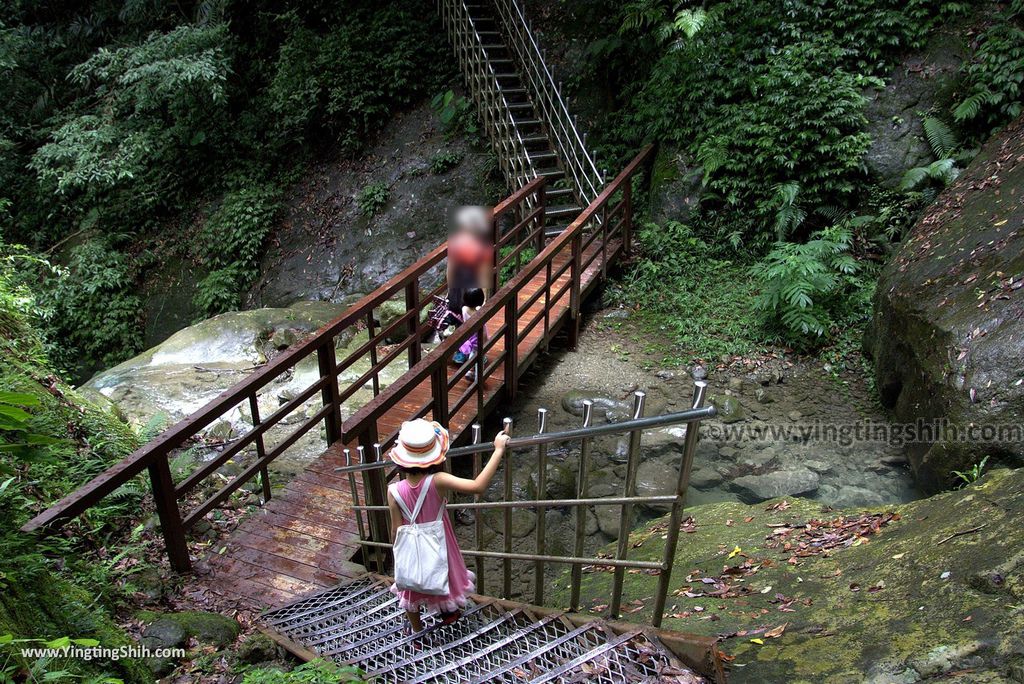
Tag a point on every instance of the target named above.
point(359, 623)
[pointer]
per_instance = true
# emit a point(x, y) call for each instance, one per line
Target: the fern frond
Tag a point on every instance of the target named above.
point(971, 107)
point(941, 137)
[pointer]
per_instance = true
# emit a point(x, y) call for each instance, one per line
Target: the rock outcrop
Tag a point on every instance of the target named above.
point(947, 338)
point(800, 593)
point(168, 382)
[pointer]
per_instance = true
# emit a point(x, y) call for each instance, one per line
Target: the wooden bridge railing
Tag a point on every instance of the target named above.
point(518, 223)
point(512, 314)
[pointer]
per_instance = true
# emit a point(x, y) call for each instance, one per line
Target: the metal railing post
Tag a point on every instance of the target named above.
point(541, 493)
point(682, 483)
point(581, 511)
point(626, 516)
point(478, 515)
point(506, 585)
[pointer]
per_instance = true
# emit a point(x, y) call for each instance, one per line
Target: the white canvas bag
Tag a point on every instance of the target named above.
point(421, 550)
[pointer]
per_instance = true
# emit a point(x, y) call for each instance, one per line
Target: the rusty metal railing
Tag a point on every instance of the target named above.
point(634, 427)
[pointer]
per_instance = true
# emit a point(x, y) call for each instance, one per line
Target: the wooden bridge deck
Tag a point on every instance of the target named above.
point(304, 538)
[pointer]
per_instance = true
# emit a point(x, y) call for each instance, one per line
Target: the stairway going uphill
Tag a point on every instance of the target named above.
point(359, 623)
point(526, 117)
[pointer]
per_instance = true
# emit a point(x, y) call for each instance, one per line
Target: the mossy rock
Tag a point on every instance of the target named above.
point(207, 628)
point(258, 648)
point(947, 336)
point(883, 610)
point(38, 605)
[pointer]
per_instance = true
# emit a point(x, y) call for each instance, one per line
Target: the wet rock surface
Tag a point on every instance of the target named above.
point(947, 338)
point(918, 592)
point(326, 248)
point(175, 378)
point(922, 82)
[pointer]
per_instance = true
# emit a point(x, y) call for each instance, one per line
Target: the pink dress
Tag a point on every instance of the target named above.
point(460, 580)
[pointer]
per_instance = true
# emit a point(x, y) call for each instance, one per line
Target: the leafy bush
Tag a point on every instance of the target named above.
point(313, 672)
point(218, 292)
point(96, 311)
point(994, 77)
point(444, 161)
point(373, 198)
point(235, 233)
point(391, 57)
point(456, 113)
point(684, 290)
point(803, 286)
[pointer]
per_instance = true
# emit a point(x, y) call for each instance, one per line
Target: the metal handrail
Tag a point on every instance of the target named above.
point(647, 423)
point(552, 105)
point(486, 90)
point(633, 427)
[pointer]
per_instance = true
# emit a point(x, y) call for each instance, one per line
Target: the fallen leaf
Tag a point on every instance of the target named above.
point(759, 642)
point(735, 552)
point(776, 632)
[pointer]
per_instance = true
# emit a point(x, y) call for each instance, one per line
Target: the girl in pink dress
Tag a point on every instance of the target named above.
point(421, 450)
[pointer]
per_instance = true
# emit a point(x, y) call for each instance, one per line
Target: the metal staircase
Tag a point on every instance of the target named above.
point(522, 108)
point(359, 623)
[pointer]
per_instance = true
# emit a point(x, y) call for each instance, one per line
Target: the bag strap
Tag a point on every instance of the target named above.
point(401, 503)
point(423, 497)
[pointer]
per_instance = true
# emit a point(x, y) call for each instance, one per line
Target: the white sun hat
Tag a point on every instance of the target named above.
point(421, 444)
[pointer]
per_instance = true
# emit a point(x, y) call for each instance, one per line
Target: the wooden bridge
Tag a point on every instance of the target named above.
point(305, 536)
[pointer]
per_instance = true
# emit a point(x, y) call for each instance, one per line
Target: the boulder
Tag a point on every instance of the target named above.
point(168, 382)
point(900, 608)
point(756, 488)
point(257, 648)
point(947, 334)
point(920, 83)
point(675, 187)
point(729, 409)
point(656, 479)
point(705, 478)
point(604, 405)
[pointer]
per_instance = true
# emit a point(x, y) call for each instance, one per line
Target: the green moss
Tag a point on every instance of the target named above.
point(39, 605)
point(839, 629)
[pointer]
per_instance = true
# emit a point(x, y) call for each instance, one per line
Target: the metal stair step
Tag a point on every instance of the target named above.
point(561, 211)
point(387, 652)
point(558, 193)
point(555, 231)
point(528, 123)
point(549, 656)
point(515, 644)
point(322, 602)
point(543, 156)
point(452, 657)
point(630, 657)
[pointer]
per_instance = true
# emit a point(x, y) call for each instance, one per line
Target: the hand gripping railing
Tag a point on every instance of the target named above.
point(486, 91)
point(553, 108)
point(580, 504)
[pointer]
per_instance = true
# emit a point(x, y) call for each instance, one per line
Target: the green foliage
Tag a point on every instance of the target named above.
point(993, 87)
point(219, 292)
point(373, 198)
point(389, 61)
point(941, 171)
point(444, 161)
point(313, 672)
point(120, 119)
point(456, 113)
point(684, 291)
point(803, 287)
point(973, 474)
point(96, 309)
